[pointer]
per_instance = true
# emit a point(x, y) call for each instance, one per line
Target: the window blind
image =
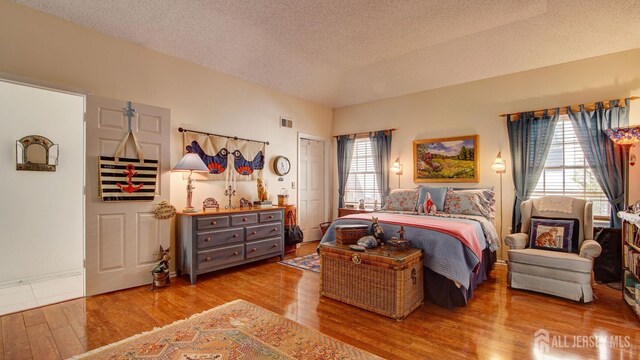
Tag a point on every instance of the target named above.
point(567, 173)
point(361, 183)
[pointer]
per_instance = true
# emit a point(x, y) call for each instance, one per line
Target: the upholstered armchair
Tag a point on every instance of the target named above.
point(564, 274)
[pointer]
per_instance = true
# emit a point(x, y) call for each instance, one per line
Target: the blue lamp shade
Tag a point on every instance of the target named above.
point(627, 135)
point(191, 162)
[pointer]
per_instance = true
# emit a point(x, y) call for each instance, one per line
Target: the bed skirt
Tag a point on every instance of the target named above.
point(444, 292)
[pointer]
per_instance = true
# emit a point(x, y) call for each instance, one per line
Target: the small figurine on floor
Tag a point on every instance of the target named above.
point(160, 272)
point(163, 257)
point(376, 230)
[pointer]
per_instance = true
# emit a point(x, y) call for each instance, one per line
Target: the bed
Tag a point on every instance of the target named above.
point(459, 250)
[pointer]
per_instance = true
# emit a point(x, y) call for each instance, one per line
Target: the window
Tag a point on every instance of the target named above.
point(566, 171)
point(361, 183)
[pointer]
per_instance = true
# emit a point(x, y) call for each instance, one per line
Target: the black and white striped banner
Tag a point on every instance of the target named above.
point(127, 179)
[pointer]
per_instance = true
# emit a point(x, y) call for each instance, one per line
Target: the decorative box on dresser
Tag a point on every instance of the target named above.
point(631, 259)
point(220, 239)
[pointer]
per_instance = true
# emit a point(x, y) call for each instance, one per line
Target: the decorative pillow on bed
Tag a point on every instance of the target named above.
point(438, 194)
point(401, 200)
point(554, 234)
point(471, 202)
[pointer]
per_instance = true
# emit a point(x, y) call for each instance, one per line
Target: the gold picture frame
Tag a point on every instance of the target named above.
point(445, 160)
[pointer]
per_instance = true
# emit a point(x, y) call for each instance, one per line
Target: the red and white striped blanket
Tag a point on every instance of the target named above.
point(464, 232)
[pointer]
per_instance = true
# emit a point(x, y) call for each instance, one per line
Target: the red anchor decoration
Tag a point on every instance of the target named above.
point(130, 173)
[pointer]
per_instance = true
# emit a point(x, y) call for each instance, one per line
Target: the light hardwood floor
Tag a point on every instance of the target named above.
point(499, 323)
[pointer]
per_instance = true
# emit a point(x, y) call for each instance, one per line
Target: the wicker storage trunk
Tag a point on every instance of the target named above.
point(389, 283)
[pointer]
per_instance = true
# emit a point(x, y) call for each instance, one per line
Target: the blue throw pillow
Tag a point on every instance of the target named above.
point(438, 194)
point(554, 234)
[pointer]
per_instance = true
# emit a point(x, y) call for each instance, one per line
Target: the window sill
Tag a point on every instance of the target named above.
point(601, 223)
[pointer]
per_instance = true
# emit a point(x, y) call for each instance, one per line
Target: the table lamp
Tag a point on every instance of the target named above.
point(190, 162)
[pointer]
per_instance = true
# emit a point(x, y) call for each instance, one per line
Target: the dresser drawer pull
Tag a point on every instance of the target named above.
point(207, 258)
point(236, 253)
point(244, 219)
point(214, 222)
point(235, 235)
point(253, 249)
point(275, 229)
point(207, 239)
point(270, 216)
point(275, 245)
point(253, 233)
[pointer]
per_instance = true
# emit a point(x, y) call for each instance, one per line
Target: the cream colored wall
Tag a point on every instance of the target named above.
point(48, 49)
point(473, 108)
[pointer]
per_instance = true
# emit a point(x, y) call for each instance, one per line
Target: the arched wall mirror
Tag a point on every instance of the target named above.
point(36, 153)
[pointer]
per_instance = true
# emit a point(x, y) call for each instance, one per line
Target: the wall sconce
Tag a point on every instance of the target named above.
point(190, 162)
point(396, 168)
point(498, 165)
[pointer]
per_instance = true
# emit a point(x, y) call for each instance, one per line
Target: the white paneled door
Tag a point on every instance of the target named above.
point(312, 190)
point(122, 238)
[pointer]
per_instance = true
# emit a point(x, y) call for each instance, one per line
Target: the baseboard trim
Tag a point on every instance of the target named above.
point(39, 278)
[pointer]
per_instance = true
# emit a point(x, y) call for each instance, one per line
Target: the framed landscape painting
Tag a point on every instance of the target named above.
point(453, 159)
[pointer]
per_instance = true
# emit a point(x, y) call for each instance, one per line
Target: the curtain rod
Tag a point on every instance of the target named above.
point(180, 129)
point(563, 109)
point(364, 133)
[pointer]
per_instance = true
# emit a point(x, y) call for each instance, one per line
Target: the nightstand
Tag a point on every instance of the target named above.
point(348, 211)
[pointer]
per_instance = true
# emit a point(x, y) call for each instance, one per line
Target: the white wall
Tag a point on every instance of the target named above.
point(41, 213)
point(474, 108)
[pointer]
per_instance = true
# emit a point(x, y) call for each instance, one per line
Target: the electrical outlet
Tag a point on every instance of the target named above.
point(293, 184)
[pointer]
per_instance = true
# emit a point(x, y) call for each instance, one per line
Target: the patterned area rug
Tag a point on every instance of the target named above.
point(235, 330)
point(308, 262)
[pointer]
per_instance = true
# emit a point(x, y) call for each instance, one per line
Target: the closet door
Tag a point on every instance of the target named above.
point(122, 238)
point(312, 195)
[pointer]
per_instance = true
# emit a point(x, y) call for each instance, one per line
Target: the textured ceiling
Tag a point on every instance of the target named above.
point(344, 52)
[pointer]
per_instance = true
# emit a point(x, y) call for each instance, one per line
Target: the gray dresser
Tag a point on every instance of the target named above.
point(221, 239)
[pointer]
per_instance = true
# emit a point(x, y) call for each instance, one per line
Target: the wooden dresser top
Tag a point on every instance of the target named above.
point(223, 211)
